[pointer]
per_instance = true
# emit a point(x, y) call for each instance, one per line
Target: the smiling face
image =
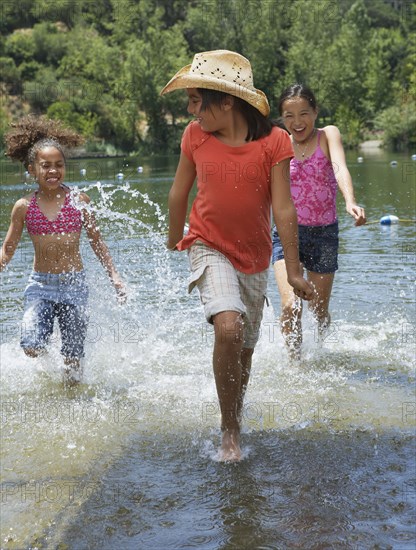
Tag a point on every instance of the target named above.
point(299, 118)
point(48, 168)
point(211, 118)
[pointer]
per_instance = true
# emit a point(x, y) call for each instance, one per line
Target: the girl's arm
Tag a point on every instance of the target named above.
point(337, 156)
point(14, 233)
point(101, 250)
point(178, 199)
point(286, 220)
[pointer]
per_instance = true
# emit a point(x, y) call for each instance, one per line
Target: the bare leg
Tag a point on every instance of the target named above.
point(228, 328)
point(72, 371)
point(33, 352)
point(291, 312)
point(246, 356)
point(320, 302)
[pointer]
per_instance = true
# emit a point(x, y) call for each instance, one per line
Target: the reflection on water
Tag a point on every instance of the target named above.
point(295, 490)
point(127, 460)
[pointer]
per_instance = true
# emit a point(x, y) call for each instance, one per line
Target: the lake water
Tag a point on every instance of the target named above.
point(127, 460)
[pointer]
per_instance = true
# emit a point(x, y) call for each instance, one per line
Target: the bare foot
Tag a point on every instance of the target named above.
point(230, 447)
point(294, 354)
point(323, 328)
point(293, 341)
point(72, 374)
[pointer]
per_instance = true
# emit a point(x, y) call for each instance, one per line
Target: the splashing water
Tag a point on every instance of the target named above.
point(148, 403)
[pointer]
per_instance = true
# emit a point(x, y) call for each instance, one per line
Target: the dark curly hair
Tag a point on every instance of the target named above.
point(32, 133)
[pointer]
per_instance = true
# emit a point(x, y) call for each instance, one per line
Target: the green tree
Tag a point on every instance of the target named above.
point(10, 75)
point(149, 65)
point(255, 28)
point(20, 45)
point(51, 43)
point(100, 65)
point(350, 50)
point(214, 25)
point(386, 49)
point(310, 58)
point(398, 123)
point(16, 15)
point(4, 123)
point(72, 12)
point(90, 57)
point(83, 123)
point(43, 90)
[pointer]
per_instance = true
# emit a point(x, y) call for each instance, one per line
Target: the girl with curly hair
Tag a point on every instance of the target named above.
point(54, 217)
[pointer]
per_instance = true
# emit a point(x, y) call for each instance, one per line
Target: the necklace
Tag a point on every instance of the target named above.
point(307, 143)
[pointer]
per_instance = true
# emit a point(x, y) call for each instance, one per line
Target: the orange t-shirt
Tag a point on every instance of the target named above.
point(232, 207)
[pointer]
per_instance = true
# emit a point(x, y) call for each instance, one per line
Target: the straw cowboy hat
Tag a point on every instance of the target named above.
point(224, 71)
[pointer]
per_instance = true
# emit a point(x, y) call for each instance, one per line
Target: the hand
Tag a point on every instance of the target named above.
point(357, 213)
point(170, 246)
point(175, 237)
point(302, 288)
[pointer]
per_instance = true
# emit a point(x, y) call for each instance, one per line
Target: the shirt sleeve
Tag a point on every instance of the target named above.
point(186, 143)
point(192, 138)
point(281, 147)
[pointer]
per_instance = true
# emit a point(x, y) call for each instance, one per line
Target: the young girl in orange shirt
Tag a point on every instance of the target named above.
point(241, 163)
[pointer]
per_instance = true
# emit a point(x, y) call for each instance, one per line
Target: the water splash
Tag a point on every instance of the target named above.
point(148, 373)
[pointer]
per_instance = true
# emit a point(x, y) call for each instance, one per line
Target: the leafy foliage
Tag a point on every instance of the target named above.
point(99, 66)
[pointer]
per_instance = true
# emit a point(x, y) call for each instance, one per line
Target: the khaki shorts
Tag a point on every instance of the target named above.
point(223, 288)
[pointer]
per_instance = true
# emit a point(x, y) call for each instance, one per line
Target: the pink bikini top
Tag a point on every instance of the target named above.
point(314, 188)
point(68, 220)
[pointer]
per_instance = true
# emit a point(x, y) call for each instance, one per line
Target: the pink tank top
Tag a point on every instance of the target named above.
point(68, 220)
point(314, 188)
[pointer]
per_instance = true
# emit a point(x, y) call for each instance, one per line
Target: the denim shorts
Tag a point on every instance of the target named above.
point(318, 247)
point(64, 296)
point(223, 288)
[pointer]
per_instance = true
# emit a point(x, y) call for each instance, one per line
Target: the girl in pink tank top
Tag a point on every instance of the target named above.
point(314, 188)
point(316, 172)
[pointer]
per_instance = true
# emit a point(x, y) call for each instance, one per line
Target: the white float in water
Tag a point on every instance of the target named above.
point(413, 157)
point(83, 172)
point(360, 159)
point(120, 176)
point(389, 219)
point(393, 163)
point(140, 169)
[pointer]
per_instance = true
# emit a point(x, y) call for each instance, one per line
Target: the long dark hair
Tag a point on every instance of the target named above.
point(258, 125)
point(297, 90)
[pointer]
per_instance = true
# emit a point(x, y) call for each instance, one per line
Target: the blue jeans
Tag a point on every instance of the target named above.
point(318, 247)
point(64, 296)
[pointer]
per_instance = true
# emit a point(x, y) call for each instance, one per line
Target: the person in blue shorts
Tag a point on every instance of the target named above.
point(54, 216)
